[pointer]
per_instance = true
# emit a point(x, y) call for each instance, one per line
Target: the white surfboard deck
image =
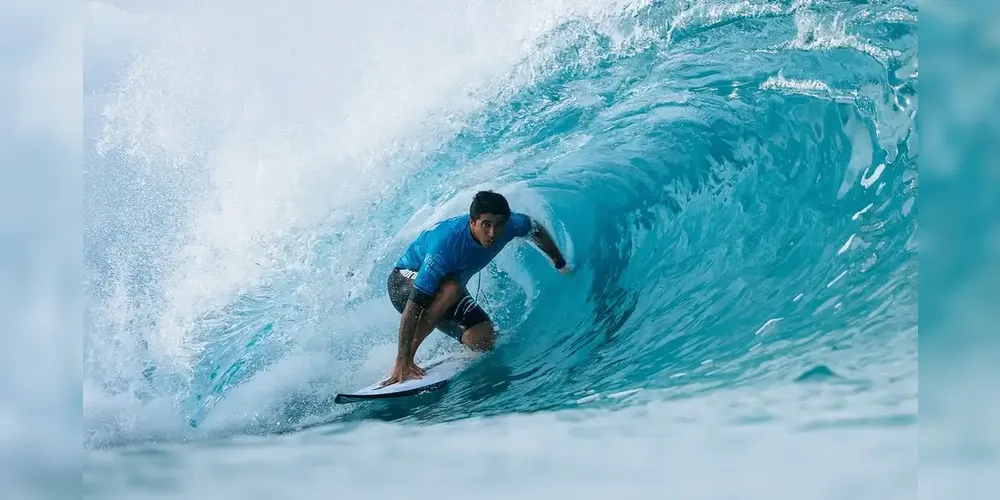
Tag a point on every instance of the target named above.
point(436, 375)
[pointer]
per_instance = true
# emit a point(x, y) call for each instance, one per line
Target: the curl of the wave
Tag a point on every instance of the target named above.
point(735, 185)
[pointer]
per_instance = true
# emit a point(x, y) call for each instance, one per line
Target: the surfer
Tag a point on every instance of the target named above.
point(428, 285)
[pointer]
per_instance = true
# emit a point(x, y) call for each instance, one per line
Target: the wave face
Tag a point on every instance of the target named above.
point(734, 183)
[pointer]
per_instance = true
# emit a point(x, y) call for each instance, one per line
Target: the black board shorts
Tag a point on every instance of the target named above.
point(463, 314)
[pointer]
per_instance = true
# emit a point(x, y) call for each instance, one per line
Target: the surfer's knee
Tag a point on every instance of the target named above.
point(480, 337)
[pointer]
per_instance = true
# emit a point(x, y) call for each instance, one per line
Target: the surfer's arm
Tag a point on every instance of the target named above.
point(546, 243)
point(523, 226)
point(425, 290)
point(404, 369)
point(415, 308)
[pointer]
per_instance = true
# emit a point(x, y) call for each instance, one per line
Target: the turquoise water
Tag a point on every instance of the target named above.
point(735, 186)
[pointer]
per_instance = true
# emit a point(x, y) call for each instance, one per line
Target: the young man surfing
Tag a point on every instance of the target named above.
point(428, 284)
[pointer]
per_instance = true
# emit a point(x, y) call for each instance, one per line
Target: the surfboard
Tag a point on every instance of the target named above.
point(437, 374)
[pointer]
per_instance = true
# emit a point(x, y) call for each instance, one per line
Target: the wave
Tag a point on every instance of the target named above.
point(734, 185)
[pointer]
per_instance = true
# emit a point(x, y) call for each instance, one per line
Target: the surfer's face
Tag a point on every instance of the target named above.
point(488, 228)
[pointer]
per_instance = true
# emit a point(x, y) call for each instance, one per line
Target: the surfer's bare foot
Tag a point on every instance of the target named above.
point(402, 372)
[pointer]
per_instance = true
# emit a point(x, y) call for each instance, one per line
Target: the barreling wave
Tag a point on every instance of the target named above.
point(734, 185)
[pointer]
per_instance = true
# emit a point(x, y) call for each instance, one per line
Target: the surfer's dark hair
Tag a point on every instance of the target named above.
point(488, 202)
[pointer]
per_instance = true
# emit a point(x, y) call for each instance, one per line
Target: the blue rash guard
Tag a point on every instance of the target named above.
point(449, 249)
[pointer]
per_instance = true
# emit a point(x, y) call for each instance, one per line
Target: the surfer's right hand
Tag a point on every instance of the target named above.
point(403, 371)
